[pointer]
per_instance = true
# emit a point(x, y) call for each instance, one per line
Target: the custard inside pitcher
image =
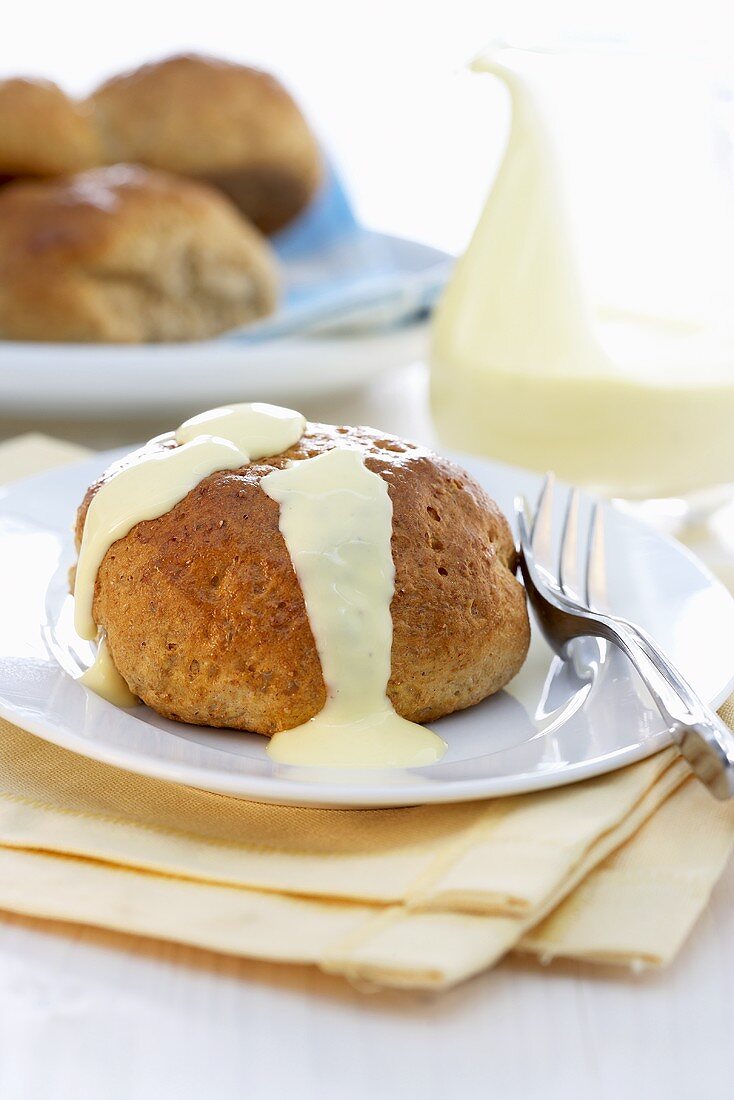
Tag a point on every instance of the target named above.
point(589, 325)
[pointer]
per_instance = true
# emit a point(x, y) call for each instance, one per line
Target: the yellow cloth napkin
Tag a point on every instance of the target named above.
point(420, 897)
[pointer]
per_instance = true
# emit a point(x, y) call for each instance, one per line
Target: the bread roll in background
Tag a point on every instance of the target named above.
point(227, 124)
point(43, 132)
point(127, 255)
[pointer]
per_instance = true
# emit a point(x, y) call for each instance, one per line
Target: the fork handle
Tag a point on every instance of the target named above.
point(702, 737)
point(708, 746)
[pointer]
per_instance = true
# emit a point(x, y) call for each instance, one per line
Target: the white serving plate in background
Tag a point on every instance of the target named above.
point(329, 265)
point(83, 380)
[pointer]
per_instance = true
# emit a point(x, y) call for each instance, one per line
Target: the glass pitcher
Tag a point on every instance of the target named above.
point(589, 327)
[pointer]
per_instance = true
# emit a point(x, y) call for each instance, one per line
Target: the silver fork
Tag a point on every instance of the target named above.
point(567, 589)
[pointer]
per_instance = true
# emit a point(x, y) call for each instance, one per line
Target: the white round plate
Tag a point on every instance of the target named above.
point(552, 726)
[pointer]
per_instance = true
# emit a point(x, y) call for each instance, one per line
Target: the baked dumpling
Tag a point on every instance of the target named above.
point(227, 124)
point(205, 619)
point(127, 255)
point(43, 132)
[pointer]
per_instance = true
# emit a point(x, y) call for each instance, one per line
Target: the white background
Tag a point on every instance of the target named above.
point(382, 80)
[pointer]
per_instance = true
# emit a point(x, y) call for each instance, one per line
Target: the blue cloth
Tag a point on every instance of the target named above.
point(338, 275)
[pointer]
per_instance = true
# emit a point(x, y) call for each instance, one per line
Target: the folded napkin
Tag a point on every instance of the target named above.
point(615, 869)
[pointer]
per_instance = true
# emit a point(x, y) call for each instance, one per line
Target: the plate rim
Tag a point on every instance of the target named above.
point(335, 796)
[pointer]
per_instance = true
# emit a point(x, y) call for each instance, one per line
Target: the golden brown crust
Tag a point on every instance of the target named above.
point(42, 131)
point(124, 255)
point(206, 622)
point(232, 125)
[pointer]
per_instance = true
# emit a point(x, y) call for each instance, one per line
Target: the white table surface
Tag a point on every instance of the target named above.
point(87, 1015)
